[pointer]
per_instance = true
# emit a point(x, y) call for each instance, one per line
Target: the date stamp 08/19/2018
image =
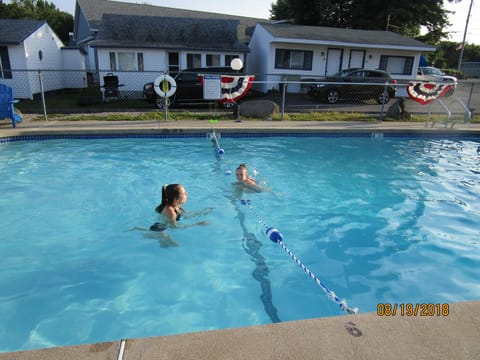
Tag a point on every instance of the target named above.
point(410, 309)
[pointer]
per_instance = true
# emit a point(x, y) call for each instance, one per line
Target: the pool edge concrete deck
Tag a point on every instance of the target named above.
point(188, 126)
point(362, 336)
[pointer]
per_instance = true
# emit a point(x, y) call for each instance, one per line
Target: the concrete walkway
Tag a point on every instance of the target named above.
point(365, 336)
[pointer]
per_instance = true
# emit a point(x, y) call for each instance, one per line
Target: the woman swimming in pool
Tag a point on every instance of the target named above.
point(173, 197)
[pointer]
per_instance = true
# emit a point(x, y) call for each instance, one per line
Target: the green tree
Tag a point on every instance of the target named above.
point(313, 12)
point(403, 16)
point(447, 55)
point(60, 21)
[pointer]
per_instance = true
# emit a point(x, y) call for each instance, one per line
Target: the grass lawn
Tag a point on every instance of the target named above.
point(75, 105)
point(90, 100)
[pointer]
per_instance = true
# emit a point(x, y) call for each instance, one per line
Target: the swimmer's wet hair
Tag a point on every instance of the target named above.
point(170, 193)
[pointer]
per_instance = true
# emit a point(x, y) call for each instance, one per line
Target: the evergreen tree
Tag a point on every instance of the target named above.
point(60, 21)
point(403, 16)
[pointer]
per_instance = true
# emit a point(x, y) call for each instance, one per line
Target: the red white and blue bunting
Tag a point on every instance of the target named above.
point(425, 92)
point(233, 87)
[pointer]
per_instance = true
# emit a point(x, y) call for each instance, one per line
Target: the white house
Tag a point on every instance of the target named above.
point(283, 52)
point(30, 49)
point(138, 42)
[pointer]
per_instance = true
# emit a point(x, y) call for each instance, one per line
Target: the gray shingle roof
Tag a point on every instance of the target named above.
point(95, 9)
point(327, 35)
point(168, 32)
point(15, 31)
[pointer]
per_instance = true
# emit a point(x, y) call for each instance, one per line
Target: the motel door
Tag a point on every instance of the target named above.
point(357, 59)
point(334, 61)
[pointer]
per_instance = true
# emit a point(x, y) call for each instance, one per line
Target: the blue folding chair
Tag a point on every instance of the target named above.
point(7, 109)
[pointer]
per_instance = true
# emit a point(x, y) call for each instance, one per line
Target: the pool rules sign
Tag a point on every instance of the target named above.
point(212, 88)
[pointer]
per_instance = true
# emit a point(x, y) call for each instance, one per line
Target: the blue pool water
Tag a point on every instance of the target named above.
point(392, 220)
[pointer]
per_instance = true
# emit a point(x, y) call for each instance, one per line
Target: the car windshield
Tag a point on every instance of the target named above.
point(432, 71)
point(345, 72)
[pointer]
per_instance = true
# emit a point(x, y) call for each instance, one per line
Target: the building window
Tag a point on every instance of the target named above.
point(173, 63)
point(194, 61)
point(229, 58)
point(5, 70)
point(140, 61)
point(213, 60)
point(396, 65)
point(113, 62)
point(293, 59)
point(126, 61)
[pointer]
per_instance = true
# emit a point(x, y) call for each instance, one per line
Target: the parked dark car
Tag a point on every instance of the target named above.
point(355, 84)
point(189, 89)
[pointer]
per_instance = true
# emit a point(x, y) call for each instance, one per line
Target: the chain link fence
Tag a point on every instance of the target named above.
point(79, 91)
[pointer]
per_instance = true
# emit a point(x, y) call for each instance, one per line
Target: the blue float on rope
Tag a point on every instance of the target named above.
point(213, 137)
point(274, 235)
point(219, 150)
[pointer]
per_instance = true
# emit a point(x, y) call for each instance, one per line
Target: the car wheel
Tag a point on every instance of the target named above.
point(228, 105)
point(383, 97)
point(332, 96)
point(160, 102)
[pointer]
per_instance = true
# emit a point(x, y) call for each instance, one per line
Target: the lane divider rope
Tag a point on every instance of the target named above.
point(276, 236)
point(251, 244)
point(219, 151)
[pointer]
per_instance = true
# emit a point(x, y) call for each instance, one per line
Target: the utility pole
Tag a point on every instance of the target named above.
point(464, 36)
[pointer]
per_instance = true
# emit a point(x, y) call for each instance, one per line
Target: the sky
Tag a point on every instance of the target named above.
point(459, 20)
point(261, 9)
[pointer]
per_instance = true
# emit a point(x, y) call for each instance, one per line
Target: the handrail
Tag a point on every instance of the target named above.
point(466, 117)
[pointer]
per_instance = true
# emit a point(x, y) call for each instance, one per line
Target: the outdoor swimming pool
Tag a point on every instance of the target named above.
point(383, 220)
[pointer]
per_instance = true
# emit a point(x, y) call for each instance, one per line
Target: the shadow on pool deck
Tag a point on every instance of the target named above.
point(363, 336)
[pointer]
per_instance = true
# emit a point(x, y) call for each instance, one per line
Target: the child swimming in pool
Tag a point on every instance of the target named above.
point(245, 181)
point(170, 208)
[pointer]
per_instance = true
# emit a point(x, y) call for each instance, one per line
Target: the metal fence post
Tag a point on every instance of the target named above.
point(284, 87)
point(470, 96)
point(43, 96)
point(165, 107)
point(383, 101)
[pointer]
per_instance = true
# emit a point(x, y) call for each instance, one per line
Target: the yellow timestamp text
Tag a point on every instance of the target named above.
point(410, 309)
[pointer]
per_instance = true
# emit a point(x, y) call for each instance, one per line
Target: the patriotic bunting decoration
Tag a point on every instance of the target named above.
point(425, 92)
point(233, 87)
